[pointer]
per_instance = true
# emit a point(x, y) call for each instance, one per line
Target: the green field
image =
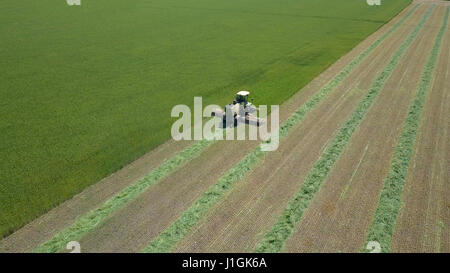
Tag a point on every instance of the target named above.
point(86, 89)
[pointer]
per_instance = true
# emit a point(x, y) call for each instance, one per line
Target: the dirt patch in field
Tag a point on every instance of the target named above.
point(424, 221)
point(352, 187)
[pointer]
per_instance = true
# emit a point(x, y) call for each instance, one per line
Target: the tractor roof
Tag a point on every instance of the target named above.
point(243, 93)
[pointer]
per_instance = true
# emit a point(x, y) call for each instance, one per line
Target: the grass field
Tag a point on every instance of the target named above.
point(86, 89)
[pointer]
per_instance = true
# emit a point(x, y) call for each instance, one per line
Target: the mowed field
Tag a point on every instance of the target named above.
point(364, 156)
point(85, 90)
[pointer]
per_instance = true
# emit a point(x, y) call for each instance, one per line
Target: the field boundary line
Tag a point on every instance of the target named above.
point(390, 200)
point(275, 239)
point(175, 232)
point(93, 218)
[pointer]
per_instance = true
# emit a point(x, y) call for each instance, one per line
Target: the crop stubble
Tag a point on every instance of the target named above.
point(423, 224)
point(274, 240)
point(341, 212)
point(261, 197)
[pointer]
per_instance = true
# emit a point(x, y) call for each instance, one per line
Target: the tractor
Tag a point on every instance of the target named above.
point(240, 110)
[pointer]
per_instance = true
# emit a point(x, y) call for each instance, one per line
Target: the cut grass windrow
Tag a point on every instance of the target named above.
point(390, 201)
point(174, 233)
point(96, 216)
point(275, 239)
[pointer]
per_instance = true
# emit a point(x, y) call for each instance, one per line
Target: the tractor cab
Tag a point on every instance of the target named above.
point(242, 100)
point(242, 97)
point(241, 109)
